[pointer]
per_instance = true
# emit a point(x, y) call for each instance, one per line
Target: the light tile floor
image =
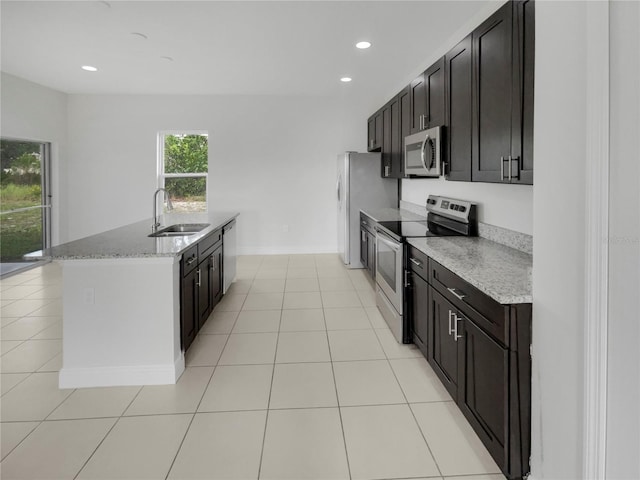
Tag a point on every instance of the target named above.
point(294, 376)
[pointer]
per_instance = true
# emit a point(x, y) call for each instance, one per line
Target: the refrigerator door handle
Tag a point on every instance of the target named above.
point(338, 189)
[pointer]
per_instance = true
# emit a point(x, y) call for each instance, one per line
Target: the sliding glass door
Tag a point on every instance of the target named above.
point(25, 207)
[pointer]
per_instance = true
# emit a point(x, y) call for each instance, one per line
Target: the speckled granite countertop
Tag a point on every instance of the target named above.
point(393, 215)
point(132, 241)
point(501, 272)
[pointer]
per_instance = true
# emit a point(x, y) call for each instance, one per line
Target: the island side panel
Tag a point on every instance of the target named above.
point(121, 321)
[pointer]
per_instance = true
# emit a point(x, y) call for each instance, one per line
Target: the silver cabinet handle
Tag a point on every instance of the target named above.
point(213, 262)
point(501, 168)
point(451, 314)
point(459, 296)
point(420, 122)
point(415, 262)
point(338, 189)
point(191, 260)
point(509, 167)
point(406, 279)
point(456, 319)
point(199, 282)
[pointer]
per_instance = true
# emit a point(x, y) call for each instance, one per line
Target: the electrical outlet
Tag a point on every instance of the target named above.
point(89, 295)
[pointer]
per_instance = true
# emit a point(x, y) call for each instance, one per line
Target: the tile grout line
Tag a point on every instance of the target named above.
point(273, 374)
point(335, 386)
point(186, 432)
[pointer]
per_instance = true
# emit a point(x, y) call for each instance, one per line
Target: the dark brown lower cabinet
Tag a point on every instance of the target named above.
point(419, 304)
point(480, 351)
point(189, 313)
point(201, 286)
point(484, 387)
point(216, 277)
point(443, 353)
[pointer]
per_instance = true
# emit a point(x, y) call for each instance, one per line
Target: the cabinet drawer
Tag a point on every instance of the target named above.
point(488, 314)
point(189, 260)
point(368, 223)
point(205, 245)
point(417, 262)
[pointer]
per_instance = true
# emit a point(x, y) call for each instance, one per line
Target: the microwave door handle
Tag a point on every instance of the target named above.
point(423, 153)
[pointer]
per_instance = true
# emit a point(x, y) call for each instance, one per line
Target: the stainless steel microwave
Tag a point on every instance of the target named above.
point(422, 153)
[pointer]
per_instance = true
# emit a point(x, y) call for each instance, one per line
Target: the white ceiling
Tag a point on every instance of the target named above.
point(232, 47)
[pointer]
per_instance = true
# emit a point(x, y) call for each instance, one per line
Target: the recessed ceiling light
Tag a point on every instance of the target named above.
point(89, 68)
point(345, 79)
point(363, 45)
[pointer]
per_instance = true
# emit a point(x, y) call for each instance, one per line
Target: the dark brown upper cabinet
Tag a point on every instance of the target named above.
point(458, 111)
point(426, 99)
point(392, 166)
point(503, 96)
point(374, 132)
point(418, 101)
point(434, 81)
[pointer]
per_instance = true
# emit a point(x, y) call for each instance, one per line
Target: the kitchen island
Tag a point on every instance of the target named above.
point(121, 302)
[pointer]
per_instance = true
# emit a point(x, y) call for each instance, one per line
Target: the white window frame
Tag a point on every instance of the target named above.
point(161, 173)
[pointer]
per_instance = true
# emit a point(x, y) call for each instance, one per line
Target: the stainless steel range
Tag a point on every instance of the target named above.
point(445, 217)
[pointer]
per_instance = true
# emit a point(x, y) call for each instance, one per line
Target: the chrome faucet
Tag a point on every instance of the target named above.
point(156, 223)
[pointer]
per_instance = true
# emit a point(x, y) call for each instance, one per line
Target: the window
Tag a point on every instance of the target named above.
point(25, 201)
point(183, 169)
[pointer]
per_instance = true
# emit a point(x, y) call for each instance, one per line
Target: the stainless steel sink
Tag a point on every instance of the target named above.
point(180, 230)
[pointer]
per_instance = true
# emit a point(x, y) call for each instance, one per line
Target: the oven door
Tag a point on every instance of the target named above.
point(389, 254)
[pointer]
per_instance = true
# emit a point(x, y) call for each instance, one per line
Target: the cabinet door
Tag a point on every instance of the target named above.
point(418, 104)
point(387, 127)
point(374, 132)
point(483, 392)
point(217, 276)
point(397, 166)
point(203, 276)
point(188, 309)
point(459, 111)
point(443, 350)
point(523, 81)
point(371, 133)
point(371, 254)
point(405, 119)
point(364, 251)
point(493, 69)
point(419, 298)
point(434, 86)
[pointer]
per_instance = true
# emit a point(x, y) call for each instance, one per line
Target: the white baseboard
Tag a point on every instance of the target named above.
point(121, 376)
point(275, 250)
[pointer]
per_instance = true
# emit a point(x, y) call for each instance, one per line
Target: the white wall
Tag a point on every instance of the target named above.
point(33, 112)
point(559, 240)
point(507, 206)
point(271, 158)
point(623, 399)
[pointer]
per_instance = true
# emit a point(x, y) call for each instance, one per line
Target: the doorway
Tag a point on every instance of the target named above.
point(25, 203)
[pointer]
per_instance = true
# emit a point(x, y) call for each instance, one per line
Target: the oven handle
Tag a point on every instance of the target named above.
point(387, 241)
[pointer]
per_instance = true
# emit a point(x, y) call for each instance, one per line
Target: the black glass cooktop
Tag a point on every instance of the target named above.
point(402, 230)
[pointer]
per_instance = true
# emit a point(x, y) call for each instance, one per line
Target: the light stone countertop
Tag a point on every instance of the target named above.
point(393, 215)
point(132, 241)
point(501, 272)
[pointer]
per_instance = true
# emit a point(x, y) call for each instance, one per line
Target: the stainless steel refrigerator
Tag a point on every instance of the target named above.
point(360, 186)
